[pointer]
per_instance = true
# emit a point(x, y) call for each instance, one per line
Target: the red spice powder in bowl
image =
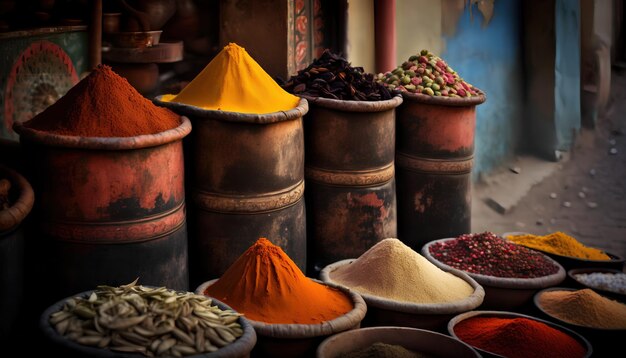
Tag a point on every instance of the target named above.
point(510, 274)
point(509, 334)
point(104, 104)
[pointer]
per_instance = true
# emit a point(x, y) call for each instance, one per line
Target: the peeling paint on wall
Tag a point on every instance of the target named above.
point(485, 49)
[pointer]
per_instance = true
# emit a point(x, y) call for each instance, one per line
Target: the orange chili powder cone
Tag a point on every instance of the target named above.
point(266, 285)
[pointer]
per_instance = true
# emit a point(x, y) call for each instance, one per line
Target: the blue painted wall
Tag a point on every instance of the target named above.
point(489, 57)
point(567, 72)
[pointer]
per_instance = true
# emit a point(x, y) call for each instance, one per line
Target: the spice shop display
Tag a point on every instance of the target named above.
point(152, 321)
point(515, 335)
point(349, 166)
point(510, 274)
point(245, 162)
point(427, 74)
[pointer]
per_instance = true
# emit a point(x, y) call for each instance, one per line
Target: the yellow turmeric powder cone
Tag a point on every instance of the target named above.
point(233, 81)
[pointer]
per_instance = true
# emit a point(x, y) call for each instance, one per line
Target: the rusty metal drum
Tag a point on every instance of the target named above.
point(434, 159)
point(246, 182)
point(349, 170)
point(21, 199)
point(109, 210)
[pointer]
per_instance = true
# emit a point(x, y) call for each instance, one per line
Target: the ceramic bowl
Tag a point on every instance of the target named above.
point(418, 340)
point(571, 274)
point(431, 316)
point(506, 314)
point(568, 262)
point(604, 341)
point(68, 348)
point(135, 39)
point(301, 340)
point(504, 293)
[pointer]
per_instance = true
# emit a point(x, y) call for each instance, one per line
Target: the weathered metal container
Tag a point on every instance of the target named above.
point(247, 181)
point(349, 169)
point(109, 210)
point(434, 158)
point(21, 197)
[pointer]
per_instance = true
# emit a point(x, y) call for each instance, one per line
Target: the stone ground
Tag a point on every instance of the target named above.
point(583, 195)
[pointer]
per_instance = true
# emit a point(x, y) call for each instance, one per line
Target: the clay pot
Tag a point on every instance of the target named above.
point(158, 12)
point(111, 22)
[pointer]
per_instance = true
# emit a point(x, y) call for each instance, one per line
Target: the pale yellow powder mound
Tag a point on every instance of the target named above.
point(233, 81)
point(392, 270)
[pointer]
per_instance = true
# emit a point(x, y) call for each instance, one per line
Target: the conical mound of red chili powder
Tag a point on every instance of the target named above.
point(104, 104)
point(266, 285)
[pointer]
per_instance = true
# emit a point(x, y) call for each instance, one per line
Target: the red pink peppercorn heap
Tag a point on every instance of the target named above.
point(490, 255)
point(427, 74)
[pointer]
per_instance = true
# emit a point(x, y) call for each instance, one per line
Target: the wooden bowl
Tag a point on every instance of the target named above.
point(571, 274)
point(135, 39)
point(382, 311)
point(69, 348)
point(418, 340)
point(301, 340)
point(603, 340)
point(504, 293)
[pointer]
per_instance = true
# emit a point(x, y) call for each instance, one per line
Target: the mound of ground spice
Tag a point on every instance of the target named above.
point(518, 337)
point(392, 270)
point(585, 308)
point(266, 285)
point(561, 244)
point(233, 81)
point(487, 254)
point(104, 104)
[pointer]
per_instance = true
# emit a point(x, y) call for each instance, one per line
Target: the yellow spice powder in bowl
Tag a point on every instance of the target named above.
point(402, 288)
point(566, 250)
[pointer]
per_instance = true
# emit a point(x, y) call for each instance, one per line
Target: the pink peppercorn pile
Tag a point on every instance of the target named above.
point(488, 254)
